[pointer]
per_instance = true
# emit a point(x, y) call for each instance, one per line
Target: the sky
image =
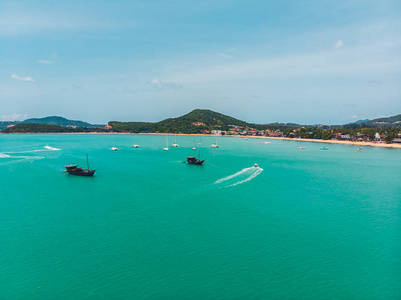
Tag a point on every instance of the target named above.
point(307, 62)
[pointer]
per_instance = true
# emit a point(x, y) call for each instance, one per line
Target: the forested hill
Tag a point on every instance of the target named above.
point(390, 120)
point(55, 120)
point(184, 124)
point(47, 128)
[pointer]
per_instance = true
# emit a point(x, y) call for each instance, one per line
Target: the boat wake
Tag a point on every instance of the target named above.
point(240, 177)
point(10, 159)
point(52, 148)
point(47, 148)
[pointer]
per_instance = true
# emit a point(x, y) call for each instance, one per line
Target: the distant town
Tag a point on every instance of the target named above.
point(384, 130)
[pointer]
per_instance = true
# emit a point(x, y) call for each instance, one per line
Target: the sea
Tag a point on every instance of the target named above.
point(302, 224)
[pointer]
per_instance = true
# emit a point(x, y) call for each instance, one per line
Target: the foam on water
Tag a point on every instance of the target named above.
point(52, 148)
point(240, 177)
point(16, 159)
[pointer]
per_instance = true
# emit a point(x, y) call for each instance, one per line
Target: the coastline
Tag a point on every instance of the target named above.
point(361, 144)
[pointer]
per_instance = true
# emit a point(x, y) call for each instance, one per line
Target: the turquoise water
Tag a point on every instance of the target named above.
point(307, 224)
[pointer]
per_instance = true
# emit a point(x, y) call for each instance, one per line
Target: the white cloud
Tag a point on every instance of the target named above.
point(225, 55)
point(42, 61)
point(338, 44)
point(28, 78)
point(354, 117)
point(14, 117)
point(162, 85)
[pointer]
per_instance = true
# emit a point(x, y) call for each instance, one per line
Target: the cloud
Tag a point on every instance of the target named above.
point(162, 85)
point(354, 117)
point(338, 44)
point(14, 117)
point(225, 55)
point(42, 61)
point(28, 78)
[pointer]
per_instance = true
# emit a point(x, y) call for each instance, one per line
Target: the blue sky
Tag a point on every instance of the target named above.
point(261, 61)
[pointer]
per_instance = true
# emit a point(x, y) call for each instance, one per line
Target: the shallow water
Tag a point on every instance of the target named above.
point(304, 224)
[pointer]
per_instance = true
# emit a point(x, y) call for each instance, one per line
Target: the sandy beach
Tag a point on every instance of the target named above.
point(360, 144)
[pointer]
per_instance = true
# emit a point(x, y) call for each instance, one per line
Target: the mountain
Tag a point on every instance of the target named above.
point(391, 120)
point(379, 122)
point(47, 128)
point(360, 121)
point(4, 124)
point(204, 119)
point(55, 120)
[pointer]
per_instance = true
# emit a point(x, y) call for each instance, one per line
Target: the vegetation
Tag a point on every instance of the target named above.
point(183, 124)
point(46, 128)
point(203, 121)
point(54, 120)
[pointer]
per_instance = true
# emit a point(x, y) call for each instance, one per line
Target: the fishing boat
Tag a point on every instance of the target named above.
point(195, 161)
point(76, 170)
point(136, 144)
point(175, 142)
point(324, 148)
point(215, 145)
point(166, 148)
point(114, 148)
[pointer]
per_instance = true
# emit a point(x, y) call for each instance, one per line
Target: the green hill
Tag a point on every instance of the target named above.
point(55, 120)
point(47, 128)
point(390, 120)
point(184, 124)
point(4, 124)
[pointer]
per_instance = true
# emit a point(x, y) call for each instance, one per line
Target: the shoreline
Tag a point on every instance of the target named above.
point(352, 143)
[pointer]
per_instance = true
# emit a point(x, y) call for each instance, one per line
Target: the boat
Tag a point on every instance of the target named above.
point(76, 170)
point(246, 138)
point(359, 149)
point(175, 142)
point(114, 148)
point(200, 141)
point(302, 148)
point(324, 148)
point(195, 161)
point(215, 145)
point(256, 166)
point(166, 148)
point(194, 148)
point(136, 144)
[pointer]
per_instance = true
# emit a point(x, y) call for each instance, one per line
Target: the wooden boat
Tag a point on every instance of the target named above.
point(195, 161)
point(76, 170)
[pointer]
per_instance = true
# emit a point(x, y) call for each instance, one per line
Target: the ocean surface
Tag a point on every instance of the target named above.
point(305, 224)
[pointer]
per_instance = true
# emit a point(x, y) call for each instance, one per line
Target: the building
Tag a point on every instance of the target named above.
point(198, 124)
point(108, 127)
point(216, 132)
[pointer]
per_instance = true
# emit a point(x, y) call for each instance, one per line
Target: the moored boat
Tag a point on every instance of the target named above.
point(195, 161)
point(76, 170)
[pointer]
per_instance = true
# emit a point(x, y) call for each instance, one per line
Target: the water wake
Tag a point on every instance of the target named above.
point(52, 148)
point(240, 177)
point(47, 148)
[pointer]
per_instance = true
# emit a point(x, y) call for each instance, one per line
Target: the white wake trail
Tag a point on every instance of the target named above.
point(233, 176)
point(240, 177)
point(252, 176)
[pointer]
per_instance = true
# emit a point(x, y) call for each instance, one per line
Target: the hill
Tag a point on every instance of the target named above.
point(203, 118)
point(56, 120)
point(391, 120)
point(47, 128)
point(4, 124)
